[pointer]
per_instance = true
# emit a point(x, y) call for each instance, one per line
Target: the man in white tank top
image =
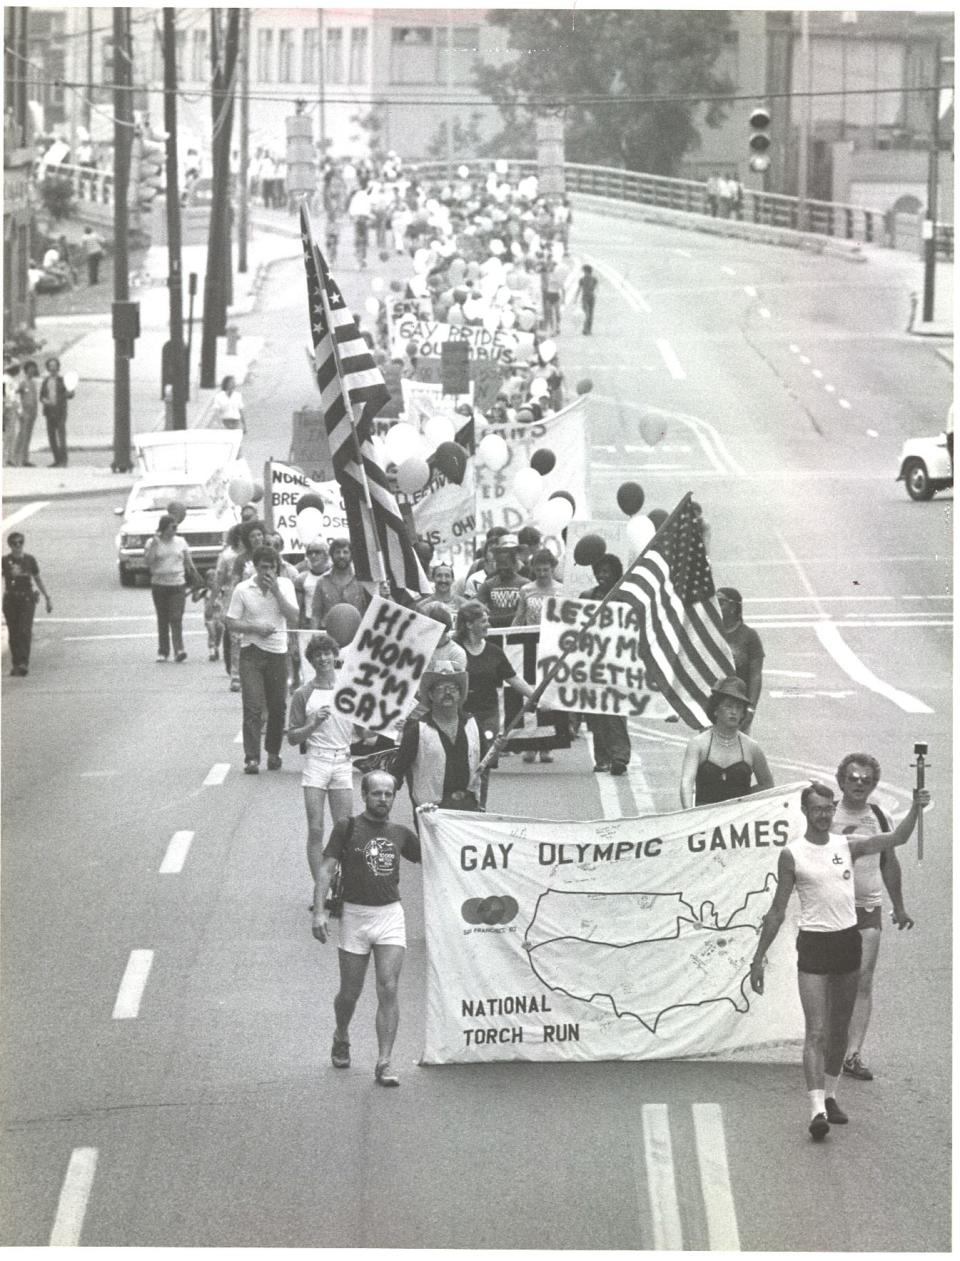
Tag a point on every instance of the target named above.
point(820, 866)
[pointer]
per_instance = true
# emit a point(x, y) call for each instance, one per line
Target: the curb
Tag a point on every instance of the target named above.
point(85, 493)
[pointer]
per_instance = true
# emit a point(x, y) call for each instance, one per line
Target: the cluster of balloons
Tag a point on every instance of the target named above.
point(244, 490)
point(310, 517)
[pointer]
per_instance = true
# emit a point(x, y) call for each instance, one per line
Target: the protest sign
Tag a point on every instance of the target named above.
point(601, 671)
point(286, 485)
point(422, 400)
point(504, 346)
point(615, 939)
point(519, 645)
point(382, 665)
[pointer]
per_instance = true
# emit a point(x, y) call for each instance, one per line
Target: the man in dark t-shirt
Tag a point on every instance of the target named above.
point(746, 646)
point(21, 574)
point(368, 849)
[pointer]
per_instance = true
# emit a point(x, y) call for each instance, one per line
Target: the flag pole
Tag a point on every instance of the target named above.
point(551, 674)
point(268, 493)
point(358, 454)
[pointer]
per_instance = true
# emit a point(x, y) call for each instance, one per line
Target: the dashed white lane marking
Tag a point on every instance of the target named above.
point(844, 403)
point(750, 291)
point(134, 982)
point(871, 433)
point(676, 249)
point(176, 854)
point(669, 356)
point(829, 635)
point(661, 1178)
point(74, 1195)
point(728, 271)
point(97, 774)
point(765, 312)
point(815, 372)
point(722, 1232)
point(794, 349)
point(831, 389)
point(22, 514)
point(216, 774)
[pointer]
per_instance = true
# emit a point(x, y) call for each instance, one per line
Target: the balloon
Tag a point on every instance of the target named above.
point(378, 284)
point(657, 516)
point(500, 166)
point(548, 351)
point(640, 530)
point(630, 498)
point(543, 461)
point(70, 380)
point(402, 441)
point(539, 388)
point(463, 172)
point(424, 549)
point(565, 494)
point(310, 500)
point(240, 490)
point(342, 623)
point(584, 386)
point(491, 321)
point(309, 524)
point(525, 416)
point(372, 306)
point(384, 255)
point(396, 286)
point(554, 515)
point(493, 452)
point(497, 247)
point(653, 429)
point(421, 261)
point(257, 491)
point(413, 474)
point(528, 487)
point(438, 430)
point(527, 320)
point(451, 460)
point(589, 549)
point(177, 510)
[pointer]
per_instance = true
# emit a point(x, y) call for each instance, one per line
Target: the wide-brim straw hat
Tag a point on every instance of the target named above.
point(732, 687)
point(445, 672)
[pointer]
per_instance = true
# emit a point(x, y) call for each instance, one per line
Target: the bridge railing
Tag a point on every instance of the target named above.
point(88, 183)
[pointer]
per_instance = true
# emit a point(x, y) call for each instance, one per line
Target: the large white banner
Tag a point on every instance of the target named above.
point(564, 435)
point(287, 485)
point(614, 939)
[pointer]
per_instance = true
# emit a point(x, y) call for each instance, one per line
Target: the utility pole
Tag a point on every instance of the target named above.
point(930, 219)
point(803, 149)
point(243, 192)
point(215, 286)
point(178, 379)
point(322, 70)
point(122, 148)
point(87, 101)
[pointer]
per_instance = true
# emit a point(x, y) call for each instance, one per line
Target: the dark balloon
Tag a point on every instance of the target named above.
point(630, 498)
point(584, 386)
point(589, 549)
point(543, 461)
point(309, 500)
point(657, 516)
point(565, 494)
point(450, 459)
point(424, 550)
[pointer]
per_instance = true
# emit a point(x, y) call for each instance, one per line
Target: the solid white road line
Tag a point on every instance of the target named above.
point(829, 635)
point(750, 291)
point(801, 574)
point(86, 639)
point(669, 356)
point(22, 514)
point(74, 1194)
point(722, 1232)
point(661, 1179)
point(176, 854)
point(127, 1006)
point(217, 774)
point(728, 271)
point(844, 404)
point(766, 313)
point(793, 674)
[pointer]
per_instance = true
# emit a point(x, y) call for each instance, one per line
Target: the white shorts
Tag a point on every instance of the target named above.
point(334, 771)
point(363, 927)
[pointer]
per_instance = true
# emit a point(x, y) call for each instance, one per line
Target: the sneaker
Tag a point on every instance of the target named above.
point(600, 767)
point(384, 1075)
point(853, 1066)
point(819, 1127)
point(181, 656)
point(213, 655)
point(618, 768)
point(234, 685)
point(274, 761)
point(250, 767)
point(162, 658)
point(530, 757)
point(835, 1114)
point(340, 1052)
point(546, 757)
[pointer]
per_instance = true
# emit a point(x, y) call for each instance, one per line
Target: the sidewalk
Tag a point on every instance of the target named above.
point(84, 344)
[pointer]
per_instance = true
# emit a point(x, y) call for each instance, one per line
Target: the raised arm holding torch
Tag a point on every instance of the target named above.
point(920, 750)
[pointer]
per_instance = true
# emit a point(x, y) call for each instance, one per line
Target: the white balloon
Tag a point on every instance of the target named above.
point(421, 261)
point(539, 388)
point(239, 489)
point(497, 247)
point(493, 452)
point(403, 441)
point(438, 429)
point(378, 284)
point(372, 306)
point(508, 318)
point(71, 380)
point(491, 321)
point(500, 166)
point(463, 172)
point(640, 530)
point(548, 350)
point(528, 487)
point(412, 475)
point(554, 515)
point(309, 525)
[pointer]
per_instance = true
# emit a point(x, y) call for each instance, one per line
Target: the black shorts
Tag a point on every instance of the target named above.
point(869, 917)
point(829, 954)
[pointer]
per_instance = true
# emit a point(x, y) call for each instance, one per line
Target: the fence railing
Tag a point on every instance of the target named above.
point(86, 182)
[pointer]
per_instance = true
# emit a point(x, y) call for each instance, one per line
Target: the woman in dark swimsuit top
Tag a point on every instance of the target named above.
point(721, 762)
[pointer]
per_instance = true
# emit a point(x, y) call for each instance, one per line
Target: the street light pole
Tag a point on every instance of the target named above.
point(930, 219)
point(243, 192)
point(174, 236)
point(122, 146)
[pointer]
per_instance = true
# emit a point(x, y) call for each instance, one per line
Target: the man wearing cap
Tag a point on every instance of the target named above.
point(439, 754)
point(746, 646)
point(501, 592)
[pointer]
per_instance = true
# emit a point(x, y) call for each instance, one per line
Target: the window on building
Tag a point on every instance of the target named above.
point(199, 66)
point(858, 67)
point(465, 51)
point(309, 60)
point(264, 56)
point(358, 54)
point(333, 40)
point(181, 47)
point(412, 55)
point(285, 57)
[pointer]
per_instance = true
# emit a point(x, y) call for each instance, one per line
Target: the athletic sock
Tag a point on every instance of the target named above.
point(830, 1086)
point(817, 1104)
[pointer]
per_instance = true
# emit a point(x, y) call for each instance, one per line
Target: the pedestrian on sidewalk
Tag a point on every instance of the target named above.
point(228, 405)
point(367, 848)
point(21, 574)
point(171, 568)
point(54, 396)
point(92, 246)
point(29, 393)
point(11, 412)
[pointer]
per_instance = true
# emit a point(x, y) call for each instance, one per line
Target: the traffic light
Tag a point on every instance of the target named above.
point(760, 139)
point(151, 172)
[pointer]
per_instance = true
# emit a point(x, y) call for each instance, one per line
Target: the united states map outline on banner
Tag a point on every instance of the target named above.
point(352, 391)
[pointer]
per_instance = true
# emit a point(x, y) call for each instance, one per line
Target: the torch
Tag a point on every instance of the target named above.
point(920, 752)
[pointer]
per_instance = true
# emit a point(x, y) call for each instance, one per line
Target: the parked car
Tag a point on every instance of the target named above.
point(926, 466)
point(190, 467)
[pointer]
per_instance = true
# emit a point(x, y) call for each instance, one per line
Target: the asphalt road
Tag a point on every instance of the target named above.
point(208, 1114)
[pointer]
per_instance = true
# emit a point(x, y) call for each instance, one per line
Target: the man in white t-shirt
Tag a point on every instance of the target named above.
point(858, 775)
point(259, 611)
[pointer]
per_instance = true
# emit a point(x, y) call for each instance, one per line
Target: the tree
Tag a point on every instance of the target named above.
point(467, 141)
point(609, 57)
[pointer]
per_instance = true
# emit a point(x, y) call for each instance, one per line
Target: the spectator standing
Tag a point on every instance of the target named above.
point(29, 393)
point(21, 574)
point(228, 405)
point(339, 586)
point(587, 293)
point(713, 194)
point(92, 246)
point(11, 412)
point(746, 647)
point(259, 611)
point(611, 739)
point(53, 399)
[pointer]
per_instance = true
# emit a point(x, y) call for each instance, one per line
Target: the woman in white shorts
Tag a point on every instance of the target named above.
point(328, 771)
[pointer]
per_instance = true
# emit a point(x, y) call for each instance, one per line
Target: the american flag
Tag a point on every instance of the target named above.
point(352, 391)
point(671, 590)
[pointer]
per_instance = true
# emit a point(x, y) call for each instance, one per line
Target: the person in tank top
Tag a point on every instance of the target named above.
point(722, 762)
